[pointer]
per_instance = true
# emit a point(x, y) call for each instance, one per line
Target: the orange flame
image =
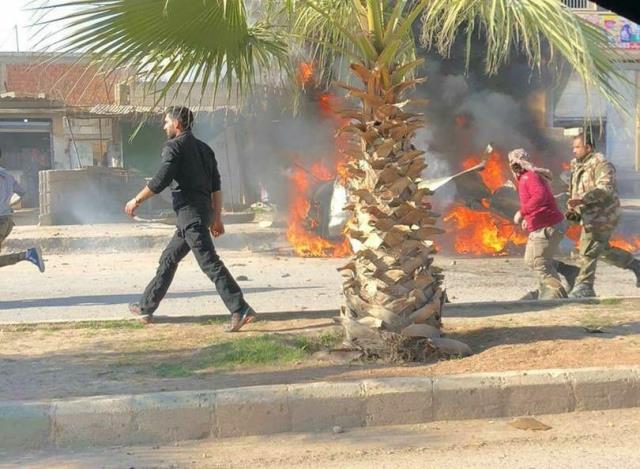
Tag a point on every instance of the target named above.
point(303, 215)
point(573, 233)
point(327, 103)
point(619, 241)
point(320, 171)
point(566, 166)
point(631, 245)
point(304, 73)
point(301, 223)
point(481, 233)
point(494, 173)
point(342, 171)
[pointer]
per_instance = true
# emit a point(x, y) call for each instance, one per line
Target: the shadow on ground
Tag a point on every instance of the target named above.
point(106, 300)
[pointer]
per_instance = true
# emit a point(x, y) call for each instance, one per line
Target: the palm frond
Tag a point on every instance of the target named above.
point(507, 25)
point(362, 30)
point(169, 41)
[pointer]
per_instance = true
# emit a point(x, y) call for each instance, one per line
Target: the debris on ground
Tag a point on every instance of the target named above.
point(529, 423)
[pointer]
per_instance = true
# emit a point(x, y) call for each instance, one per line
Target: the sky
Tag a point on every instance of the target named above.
point(14, 13)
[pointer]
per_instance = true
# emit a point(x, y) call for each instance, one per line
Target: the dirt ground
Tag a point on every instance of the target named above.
point(594, 440)
point(41, 362)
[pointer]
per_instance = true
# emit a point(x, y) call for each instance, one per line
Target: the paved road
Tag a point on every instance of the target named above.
point(580, 440)
point(99, 286)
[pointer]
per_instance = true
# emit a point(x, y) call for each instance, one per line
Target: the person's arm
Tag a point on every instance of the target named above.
point(605, 184)
point(138, 200)
point(520, 188)
point(217, 227)
point(168, 169)
point(164, 176)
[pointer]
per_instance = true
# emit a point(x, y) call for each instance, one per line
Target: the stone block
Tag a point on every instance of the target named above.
point(537, 392)
point(321, 406)
point(24, 426)
point(94, 421)
point(172, 416)
point(259, 410)
point(468, 397)
point(398, 401)
point(597, 389)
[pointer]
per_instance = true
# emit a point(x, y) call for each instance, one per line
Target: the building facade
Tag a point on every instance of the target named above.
point(617, 133)
point(45, 118)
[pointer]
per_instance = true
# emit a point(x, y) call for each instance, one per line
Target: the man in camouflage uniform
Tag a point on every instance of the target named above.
point(594, 203)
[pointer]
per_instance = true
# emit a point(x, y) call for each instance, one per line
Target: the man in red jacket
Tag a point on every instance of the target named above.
point(540, 216)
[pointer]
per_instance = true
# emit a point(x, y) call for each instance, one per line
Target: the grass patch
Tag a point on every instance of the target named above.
point(261, 350)
point(330, 339)
point(611, 301)
point(172, 370)
point(122, 324)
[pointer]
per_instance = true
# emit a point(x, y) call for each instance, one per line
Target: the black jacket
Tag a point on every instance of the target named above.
point(189, 166)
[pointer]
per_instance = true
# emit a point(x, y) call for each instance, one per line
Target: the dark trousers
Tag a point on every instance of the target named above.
point(10, 259)
point(192, 234)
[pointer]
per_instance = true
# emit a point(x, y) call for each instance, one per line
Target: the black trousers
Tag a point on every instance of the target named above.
point(192, 234)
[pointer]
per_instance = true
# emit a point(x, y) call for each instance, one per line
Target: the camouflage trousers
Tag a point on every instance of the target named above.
point(595, 245)
point(6, 225)
point(542, 247)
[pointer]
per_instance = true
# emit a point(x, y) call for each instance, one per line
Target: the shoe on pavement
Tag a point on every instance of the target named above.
point(239, 320)
point(582, 290)
point(34, 255)
point(136, 310)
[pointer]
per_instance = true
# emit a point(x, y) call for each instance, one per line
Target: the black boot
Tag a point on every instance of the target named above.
point(569, 272)
point(635, 268)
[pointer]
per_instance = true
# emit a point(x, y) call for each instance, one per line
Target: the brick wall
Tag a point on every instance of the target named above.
point(75, 84)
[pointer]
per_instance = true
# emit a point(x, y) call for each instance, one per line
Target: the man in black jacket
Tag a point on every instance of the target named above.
point(189, 167)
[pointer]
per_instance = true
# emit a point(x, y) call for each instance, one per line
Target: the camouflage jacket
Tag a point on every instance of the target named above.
point(593, 179)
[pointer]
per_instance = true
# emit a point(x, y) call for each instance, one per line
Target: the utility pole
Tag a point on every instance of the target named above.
point(17, 38)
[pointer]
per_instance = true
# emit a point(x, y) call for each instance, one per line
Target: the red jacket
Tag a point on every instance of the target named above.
point(537, 204)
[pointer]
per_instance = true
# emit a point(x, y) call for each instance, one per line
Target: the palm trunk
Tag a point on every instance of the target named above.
point(392, 290)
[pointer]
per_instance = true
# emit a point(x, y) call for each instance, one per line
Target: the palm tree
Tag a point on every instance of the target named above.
point(393, 293)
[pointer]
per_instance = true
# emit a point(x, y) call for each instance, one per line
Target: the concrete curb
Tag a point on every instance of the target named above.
point(261, 410)
point(72, 244)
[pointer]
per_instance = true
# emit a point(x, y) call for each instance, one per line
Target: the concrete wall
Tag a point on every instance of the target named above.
point(87, 195)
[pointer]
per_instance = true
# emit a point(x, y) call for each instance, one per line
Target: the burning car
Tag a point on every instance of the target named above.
point(479, 220)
